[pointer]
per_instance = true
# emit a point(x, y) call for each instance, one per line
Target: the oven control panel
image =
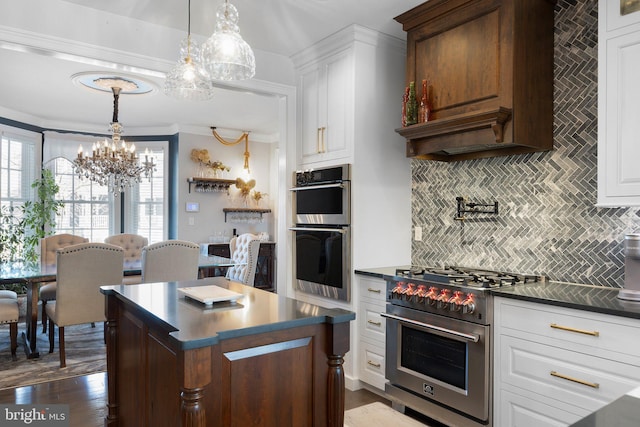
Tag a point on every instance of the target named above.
point(450, 301)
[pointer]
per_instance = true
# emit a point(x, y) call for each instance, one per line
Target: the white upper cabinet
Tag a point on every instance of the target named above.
point(326, 93)
point(618, 105)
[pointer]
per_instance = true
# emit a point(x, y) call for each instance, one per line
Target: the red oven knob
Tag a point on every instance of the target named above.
point(443, 298)
point(432, 295)
point(455, 302)
point(469, 305)
point(421, 292)
point(398, 290)
point(409, 291)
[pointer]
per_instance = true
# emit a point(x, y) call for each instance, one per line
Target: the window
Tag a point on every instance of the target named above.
point(87, 206)
point(19, 157)
point(19, 167)
point(91, 210)
point(145, 205)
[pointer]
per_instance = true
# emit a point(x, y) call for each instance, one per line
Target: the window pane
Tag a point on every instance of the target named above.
point(90, 209)
point(18, 169)
point(86, 205)
point(145, 206)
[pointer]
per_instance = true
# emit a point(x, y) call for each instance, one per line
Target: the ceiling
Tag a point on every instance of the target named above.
point(37, 84)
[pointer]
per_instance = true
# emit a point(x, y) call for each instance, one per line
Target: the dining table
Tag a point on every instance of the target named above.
point(33, 274)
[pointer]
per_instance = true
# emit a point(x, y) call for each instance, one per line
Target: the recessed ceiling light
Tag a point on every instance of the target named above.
point(105, 81)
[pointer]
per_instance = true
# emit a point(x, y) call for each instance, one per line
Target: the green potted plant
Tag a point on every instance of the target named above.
point(22, 227)
point(39, 216)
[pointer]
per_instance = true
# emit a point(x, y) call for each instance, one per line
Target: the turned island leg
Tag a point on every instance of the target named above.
point(336, 384)
point(195, 367)
point(110, 335)
point(191, 410)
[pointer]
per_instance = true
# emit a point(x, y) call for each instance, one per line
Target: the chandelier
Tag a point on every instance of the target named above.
point(225, 55)
point(188, 80)
point(114, 163)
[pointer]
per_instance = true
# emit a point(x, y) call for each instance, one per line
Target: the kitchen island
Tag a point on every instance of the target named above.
point(262, 360)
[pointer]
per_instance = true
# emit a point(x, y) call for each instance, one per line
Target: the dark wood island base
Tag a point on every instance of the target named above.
point(266, 361)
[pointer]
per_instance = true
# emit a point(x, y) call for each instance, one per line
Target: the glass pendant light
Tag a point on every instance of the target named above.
point(188, 80)
point(225, 55)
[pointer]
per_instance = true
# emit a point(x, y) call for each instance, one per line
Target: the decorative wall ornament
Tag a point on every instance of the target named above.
point(244, 137)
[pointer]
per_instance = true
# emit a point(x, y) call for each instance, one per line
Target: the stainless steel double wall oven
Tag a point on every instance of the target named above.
point(322, 234)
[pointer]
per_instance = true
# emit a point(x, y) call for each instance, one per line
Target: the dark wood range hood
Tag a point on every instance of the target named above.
point(489, 65)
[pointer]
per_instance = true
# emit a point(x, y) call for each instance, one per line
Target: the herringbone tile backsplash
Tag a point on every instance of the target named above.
point(548, 223)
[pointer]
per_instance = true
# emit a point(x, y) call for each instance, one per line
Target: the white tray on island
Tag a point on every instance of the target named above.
point(210, 294)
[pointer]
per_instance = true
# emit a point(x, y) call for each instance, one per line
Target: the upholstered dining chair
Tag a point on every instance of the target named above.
point(9, 313)
point(81, 270)
point(244, 252)
point(132, 245)
point(48, 251)
point(170, 260)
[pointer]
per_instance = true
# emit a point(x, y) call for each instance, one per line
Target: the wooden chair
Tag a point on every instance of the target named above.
point(81, 270)
point(132, 245)
point(48, 251)
point(244, 252)
point(9, 313)
point(170, 260)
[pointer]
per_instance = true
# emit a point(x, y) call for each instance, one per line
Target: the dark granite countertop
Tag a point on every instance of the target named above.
point(380, 272)
point(599, 299)
point(197, 325)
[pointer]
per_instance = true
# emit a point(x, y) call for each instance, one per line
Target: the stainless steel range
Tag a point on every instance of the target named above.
point(438, 349)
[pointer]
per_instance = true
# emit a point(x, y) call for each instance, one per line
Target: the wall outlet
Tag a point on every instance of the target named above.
point(417, 234)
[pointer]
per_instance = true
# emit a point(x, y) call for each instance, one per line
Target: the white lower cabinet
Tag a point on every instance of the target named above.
point(371, 331)
point(518, 410)
point(554, 366)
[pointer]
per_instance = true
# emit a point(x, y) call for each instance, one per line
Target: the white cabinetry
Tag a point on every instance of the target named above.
point(554, 365)
point(371, 331)
point(350, 88)
point(618, 106)
point(326, 89)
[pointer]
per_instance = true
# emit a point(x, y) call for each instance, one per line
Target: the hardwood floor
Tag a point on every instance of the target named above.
point(86, 397)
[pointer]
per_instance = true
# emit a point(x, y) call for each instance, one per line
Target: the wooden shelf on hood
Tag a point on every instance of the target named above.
point(459, 135)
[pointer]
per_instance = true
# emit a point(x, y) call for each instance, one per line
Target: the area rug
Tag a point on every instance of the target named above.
point(378, 414)
point(85, 351)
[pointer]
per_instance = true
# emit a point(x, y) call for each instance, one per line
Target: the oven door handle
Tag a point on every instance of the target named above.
point(434, 328)
point(337, 230)
point(316, 187)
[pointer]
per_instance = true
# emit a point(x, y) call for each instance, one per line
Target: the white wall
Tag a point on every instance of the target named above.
point(210, 218)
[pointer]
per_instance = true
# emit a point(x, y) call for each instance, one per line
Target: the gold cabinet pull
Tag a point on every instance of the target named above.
point(578, 331)
point(375, 365)
point(374, 323)
point(318, 149)
point(575, 380)
point(375, 291)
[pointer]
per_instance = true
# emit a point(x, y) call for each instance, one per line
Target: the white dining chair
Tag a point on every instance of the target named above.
point(170, 260)
point(244, 253)
point(81, 270)
point(48, 252)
